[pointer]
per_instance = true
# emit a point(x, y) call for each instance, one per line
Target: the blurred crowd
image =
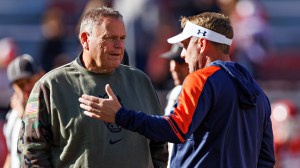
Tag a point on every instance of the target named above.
point(148, 24)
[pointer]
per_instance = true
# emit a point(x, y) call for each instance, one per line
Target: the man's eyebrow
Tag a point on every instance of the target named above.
point(114, 36)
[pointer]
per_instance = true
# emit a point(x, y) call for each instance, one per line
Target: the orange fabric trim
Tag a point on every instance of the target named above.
point(175, 130)
point(188, 98)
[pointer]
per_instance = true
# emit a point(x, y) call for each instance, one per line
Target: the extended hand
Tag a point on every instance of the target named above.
point(103, 109)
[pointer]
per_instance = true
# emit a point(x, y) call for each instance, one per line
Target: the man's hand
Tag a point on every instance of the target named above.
point(103, 109)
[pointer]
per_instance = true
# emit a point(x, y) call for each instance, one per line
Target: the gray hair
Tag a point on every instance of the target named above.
point(95, 17)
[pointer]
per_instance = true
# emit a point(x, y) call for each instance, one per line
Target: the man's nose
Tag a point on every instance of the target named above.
point(118, 42)
point(182, 54)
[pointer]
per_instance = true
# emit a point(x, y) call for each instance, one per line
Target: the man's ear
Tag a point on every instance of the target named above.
point(84, 40)
point(202, 44)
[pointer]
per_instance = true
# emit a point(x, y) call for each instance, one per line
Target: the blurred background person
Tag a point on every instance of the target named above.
point(52, 45)
point(141, 20)
point(22, 73)
point(285, 121)
point(251, 41)
point(8, 50)
point(179, 70)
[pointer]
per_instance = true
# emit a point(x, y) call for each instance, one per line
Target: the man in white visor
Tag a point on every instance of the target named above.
point(221, 118)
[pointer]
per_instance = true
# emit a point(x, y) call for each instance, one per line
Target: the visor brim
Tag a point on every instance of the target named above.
point(178, 39)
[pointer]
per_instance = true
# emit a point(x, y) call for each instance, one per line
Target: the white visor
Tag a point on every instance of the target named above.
point(191, 29)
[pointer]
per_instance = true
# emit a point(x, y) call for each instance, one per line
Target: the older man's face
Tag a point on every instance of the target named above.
point(106, 44)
